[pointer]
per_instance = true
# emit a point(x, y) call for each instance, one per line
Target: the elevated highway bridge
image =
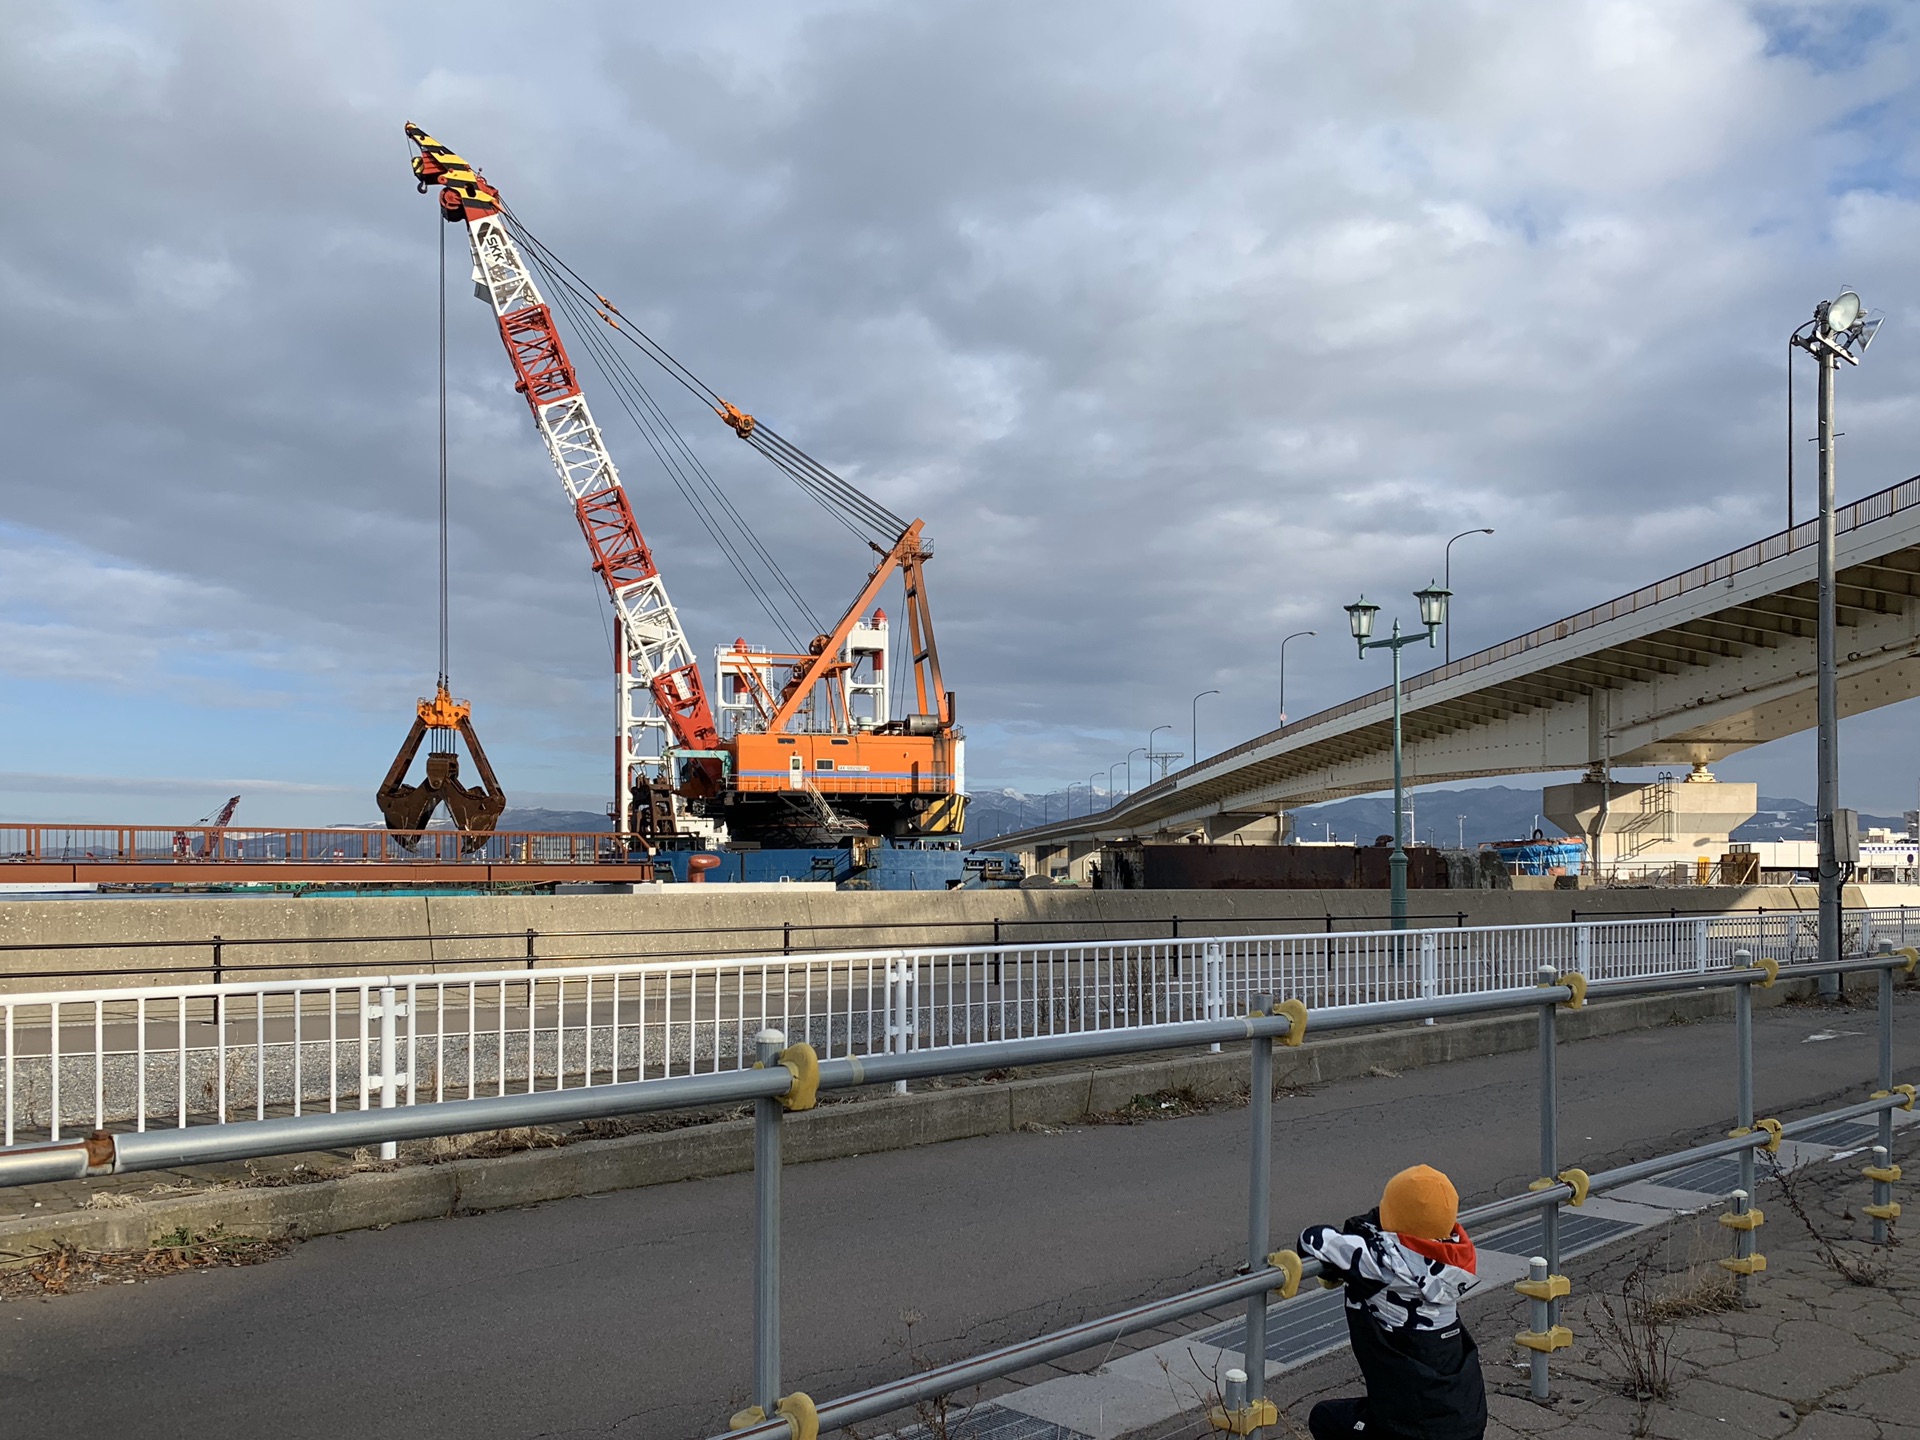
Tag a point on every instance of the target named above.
point(1684, 671)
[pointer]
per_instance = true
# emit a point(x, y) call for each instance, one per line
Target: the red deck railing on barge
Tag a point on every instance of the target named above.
point(192, 854)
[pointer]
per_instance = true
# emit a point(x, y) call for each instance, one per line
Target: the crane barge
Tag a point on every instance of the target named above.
point(804, 749)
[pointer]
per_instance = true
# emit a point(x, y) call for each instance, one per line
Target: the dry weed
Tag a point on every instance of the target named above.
point(64, 1269)
point(1160, 1105)
point(1864, 1270)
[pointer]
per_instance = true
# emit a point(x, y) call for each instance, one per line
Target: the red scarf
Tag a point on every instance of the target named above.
point(1456, 1249)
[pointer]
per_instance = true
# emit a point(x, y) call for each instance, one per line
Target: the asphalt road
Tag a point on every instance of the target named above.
point(629, 1314)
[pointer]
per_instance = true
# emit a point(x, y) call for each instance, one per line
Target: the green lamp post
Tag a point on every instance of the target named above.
point(1360, 617)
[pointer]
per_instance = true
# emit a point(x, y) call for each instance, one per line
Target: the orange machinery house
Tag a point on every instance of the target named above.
point(802, 759)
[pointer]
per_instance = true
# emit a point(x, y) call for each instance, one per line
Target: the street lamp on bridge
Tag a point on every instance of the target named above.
point(1446, 579)
point(1196, 722)
point(1297, 635)
point(1360, 618)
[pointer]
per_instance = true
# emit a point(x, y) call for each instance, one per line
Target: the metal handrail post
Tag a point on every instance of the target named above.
point(1883, 1190)
point(766, 1231)
point(1743, 1043)
point(1540, 1317)
point(1549, 1165)
point(1259, 1198)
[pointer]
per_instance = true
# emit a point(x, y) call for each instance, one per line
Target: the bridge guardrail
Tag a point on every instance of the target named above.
point(184, 1055)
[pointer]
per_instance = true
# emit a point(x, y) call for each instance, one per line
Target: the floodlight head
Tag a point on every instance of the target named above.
point(1842, 311)
point(1360, 618)
point(1870, 327)
point(1433, 605)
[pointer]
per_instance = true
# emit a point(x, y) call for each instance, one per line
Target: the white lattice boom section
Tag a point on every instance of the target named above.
point(662, 702)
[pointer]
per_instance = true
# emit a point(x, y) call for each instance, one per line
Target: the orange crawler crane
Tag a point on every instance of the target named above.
point(804, 748)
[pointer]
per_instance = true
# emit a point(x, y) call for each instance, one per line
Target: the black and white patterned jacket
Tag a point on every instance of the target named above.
point(1403, 1317)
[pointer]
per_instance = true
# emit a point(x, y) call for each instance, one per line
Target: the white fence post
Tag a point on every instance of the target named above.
point(390, 1077)
point(1700, 946)
point(903, 983)
point(1429, 967)
point(1213, 983)
point(1583, 949)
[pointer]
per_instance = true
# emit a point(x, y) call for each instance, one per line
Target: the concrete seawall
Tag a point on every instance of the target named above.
point(69, 944)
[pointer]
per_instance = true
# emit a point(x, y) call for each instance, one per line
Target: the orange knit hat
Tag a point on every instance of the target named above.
point(1422, 1202)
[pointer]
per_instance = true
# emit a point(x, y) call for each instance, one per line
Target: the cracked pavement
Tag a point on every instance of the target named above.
point(1811, 1356)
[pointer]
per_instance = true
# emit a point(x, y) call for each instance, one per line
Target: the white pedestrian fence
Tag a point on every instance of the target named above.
point(202, 1054)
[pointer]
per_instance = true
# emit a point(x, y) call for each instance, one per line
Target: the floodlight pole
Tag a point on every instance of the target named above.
point(1827, 688)
point(1838, 329)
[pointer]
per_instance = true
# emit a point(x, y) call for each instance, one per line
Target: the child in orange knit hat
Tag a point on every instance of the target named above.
point(1405, 1266)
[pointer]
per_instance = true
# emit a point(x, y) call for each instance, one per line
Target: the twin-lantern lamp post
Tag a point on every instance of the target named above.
point(1360, 616)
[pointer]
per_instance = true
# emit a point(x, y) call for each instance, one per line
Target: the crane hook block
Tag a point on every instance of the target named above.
point(741, 422)
point(407, 808)
point(443, 712)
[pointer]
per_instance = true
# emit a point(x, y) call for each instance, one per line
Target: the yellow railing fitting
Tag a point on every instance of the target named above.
point(1888, 1211)
point(1555, 1337)
point(1554, 1287)
point(1913, 957)
point(1752, 1218)
point(804, 1066)
point(802, 1417)
point(1885, 1174)
point(1745, 1265)
point(748, 1418)
point(1288, 1264)
point(1574, 1180)
point(1772, 1127)
point(1772, 967)
point(1296, 1013)
point(1577, 983)
point(1254, 1415)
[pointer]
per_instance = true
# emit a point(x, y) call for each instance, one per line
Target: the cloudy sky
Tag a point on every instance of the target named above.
point(1179, 325)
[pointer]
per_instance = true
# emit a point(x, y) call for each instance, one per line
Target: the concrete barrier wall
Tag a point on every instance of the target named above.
point(314, 936)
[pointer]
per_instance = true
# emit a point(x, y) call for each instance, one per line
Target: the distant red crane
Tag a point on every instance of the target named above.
point(215, 826)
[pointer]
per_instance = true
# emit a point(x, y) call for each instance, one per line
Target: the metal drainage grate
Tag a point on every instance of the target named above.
point(1578, 1233)
point(992, 1422)
point(1840, 1134)
point(1720, 1176)
point(1297, 1330)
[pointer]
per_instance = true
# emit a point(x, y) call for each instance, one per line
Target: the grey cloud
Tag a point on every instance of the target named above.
point(1179, 326)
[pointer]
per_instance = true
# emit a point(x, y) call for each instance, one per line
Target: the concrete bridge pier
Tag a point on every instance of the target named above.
point(1651, 822)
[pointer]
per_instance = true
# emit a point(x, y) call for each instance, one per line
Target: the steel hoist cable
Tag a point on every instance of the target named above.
point(852, 506)
point(696, 486)
point(445, 589)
